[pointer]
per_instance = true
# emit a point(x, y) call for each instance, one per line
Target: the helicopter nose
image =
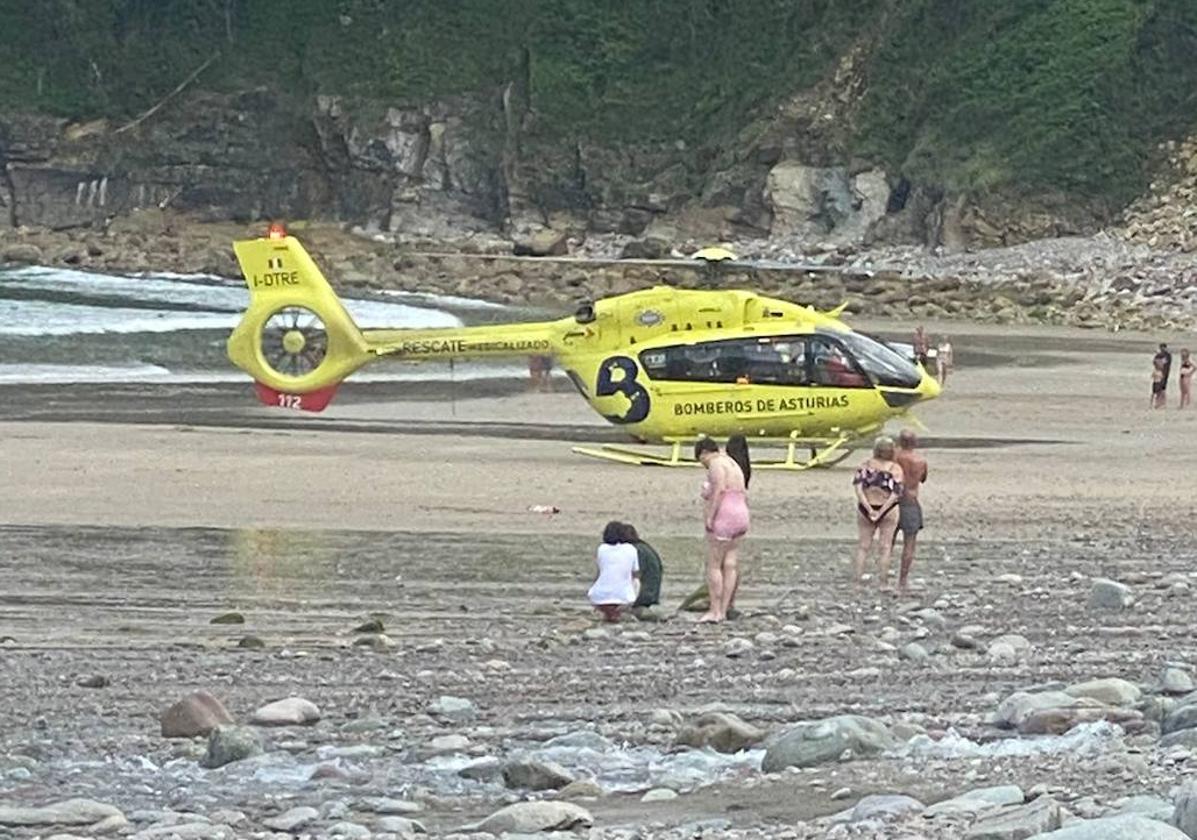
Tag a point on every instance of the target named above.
point(929, 388)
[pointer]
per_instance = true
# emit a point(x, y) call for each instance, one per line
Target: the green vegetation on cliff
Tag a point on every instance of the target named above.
point(1068, 94)
point(1039, 95)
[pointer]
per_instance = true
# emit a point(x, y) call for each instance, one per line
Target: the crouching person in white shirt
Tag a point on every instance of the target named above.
point(618, 581)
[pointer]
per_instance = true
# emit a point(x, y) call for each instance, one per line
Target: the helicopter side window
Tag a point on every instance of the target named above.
point(773, 360)
point(831, 365)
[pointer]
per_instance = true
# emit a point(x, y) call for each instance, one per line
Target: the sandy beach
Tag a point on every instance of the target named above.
point(132, 516)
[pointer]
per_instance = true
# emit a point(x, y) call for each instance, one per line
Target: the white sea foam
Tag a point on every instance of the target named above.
point(214, 305)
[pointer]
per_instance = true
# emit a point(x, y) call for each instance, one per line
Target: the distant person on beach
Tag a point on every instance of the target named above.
point(1164, 360)
point(943, 360)
point(1185, 378)
point(650, 569)
point(878, 489)
point(725, 520)
point(922, 345)
point(910, 511)
point(540, 372)
point(618, 581)
point(1158, 384)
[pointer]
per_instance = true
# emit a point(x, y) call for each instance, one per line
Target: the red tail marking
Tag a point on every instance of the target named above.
point(316, 400)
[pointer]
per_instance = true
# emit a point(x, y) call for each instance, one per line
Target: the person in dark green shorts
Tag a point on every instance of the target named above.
point(650, 569)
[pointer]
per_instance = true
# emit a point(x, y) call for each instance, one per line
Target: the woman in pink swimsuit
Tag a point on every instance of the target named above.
point(725, 516)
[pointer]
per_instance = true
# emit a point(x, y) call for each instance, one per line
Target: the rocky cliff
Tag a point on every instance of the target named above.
point(539, 128)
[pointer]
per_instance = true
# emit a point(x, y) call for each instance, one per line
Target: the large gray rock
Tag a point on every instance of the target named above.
point(229, 743)
point(1185, 815)
point(1182, 717)
point(535, 816)
point(456, 709)
point(292, 819)
point(1176, 681)
point(820, 741)
point(67, 812)
point(196, 714)
point(882, 807)
point(22, 252)
point(1112, 691)
point(1110, 595)
point(1131, 827)
point(1014, 711)
point(976, 801)
point(533, 774)
point(187, 831)
point(824, 204)
point(1017, 822)
point(722, 732)
point(291, 711)
point(1151, 807)
point(482, 770)
point(1180, 738)
point(404, 827)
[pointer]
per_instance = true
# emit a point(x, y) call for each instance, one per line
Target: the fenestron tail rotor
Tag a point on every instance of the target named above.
point(294, 341)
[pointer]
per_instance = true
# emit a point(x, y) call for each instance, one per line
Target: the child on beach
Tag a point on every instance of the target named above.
point(618, 581)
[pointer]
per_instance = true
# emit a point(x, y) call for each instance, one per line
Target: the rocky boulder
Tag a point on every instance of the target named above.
point(722, 732)
point(1112, 692)
point(816, 742)
point(1185, 815)
point(541, 243)
point(1110, 595)
point(1018, 822)
point(1182, 717)
point(824, 204)
point(1176, 681)
point(196, 714)
point(1115, 828)
point(881, 807)
point(67, 812)
point(976, 801)
point(229, 743)
point(530, 817)
point(533, 774)
point(291, 711)
point(455, 709)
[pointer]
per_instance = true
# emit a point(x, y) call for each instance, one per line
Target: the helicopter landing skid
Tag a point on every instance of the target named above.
point(824, 452)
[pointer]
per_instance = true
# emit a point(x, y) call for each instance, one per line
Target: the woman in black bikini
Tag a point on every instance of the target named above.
point(878, 487)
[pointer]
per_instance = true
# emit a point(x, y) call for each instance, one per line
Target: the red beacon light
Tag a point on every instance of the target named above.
point(276, 231)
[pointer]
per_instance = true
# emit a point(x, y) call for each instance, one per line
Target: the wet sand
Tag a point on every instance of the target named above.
point(131, 519)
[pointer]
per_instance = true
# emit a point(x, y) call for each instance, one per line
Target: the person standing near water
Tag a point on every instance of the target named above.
point(1162, 361)
point(943, 360)
point(725, 519)
point(1185, 378)
point(910, 511)
point(737, 450)
point(877, 486)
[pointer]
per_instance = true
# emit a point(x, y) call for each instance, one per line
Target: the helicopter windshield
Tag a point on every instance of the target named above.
point(884, 364)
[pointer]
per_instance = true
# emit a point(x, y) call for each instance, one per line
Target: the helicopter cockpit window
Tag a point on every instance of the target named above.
point(770, 360)
point(831, 365)
point(884, 364)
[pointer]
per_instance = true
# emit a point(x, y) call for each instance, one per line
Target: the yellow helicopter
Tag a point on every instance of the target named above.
point(667, 365)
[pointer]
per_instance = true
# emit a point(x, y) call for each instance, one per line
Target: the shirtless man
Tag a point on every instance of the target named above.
point(921, 345)
point(910, 512)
